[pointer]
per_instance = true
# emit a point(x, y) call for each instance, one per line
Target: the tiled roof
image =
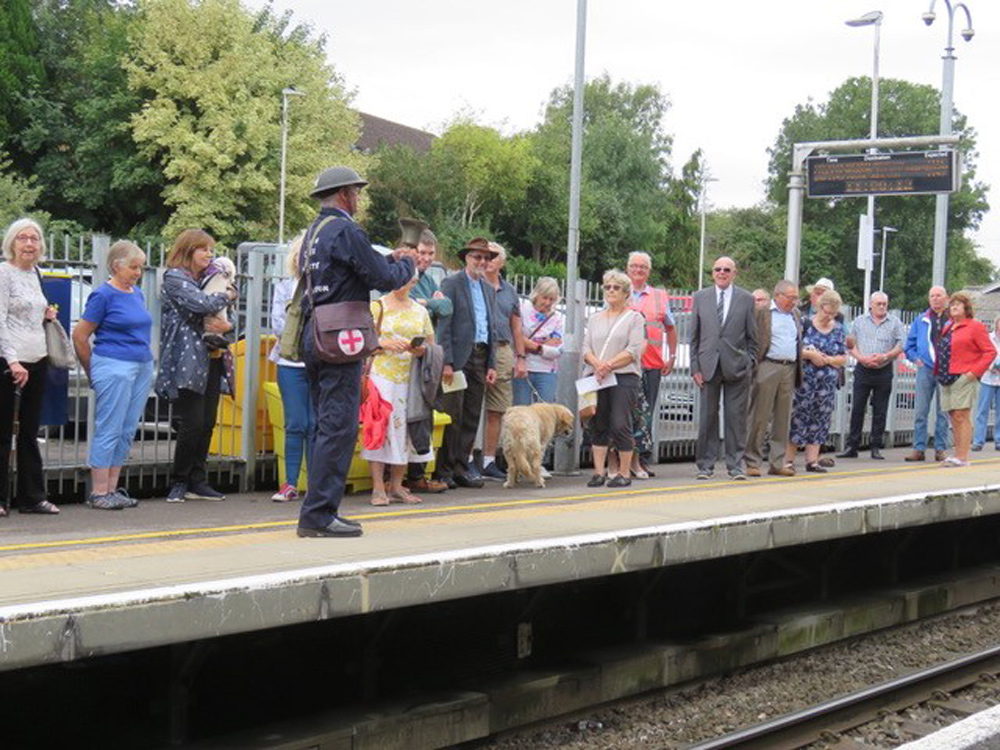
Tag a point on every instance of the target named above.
point(376, 132)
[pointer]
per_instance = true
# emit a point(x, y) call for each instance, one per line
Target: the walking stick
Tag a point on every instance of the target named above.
point(12, 454)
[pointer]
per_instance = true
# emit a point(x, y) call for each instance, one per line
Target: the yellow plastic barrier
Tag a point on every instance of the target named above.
point(359, 476)
point(228, 435)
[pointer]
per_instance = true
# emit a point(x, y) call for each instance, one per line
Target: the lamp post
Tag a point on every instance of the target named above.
point(285, 93)
point(947, 91)
point(701, 252)
point(881, 276)
point(874, 18)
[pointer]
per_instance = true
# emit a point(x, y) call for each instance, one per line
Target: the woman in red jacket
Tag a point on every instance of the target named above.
point(968, 354)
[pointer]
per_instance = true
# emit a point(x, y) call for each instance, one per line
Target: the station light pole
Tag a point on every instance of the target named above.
point(881, 276)
point(285, 93)
point(947, 94)
point(701, 252)
point(874, 18)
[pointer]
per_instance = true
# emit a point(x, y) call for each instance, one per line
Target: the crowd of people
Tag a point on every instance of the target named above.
point(467, 344)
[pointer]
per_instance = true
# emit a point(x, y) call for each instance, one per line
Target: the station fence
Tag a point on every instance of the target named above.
point(242, 452)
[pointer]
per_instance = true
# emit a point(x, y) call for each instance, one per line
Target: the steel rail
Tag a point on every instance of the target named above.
point(853, 709)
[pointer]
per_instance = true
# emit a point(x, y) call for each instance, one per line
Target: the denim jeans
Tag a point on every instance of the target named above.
point(927, 387)
point(989, 395)
point(121, 390)
point(294, 386)
point(545, 384)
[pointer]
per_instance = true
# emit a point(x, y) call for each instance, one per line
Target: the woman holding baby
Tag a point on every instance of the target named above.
point(120, 369)
point(191, 375)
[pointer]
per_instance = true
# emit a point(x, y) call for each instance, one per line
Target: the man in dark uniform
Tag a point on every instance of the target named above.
point(343, 267)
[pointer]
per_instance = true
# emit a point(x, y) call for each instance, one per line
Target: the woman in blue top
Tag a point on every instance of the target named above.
point(120, 368)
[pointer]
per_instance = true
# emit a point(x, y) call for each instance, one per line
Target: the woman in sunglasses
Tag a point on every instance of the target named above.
point(612, 349)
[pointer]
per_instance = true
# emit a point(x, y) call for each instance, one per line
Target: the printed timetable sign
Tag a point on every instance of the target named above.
point(902, 173)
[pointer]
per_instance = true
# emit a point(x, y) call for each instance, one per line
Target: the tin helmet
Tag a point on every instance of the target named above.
point(334, 178)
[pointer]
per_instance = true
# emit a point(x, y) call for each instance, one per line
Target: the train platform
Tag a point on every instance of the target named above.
point(87, 583)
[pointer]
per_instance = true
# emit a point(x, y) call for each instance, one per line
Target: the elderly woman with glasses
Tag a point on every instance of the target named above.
point(120, 369)
point(612, 350)
point(543, 327)
point(23, 363)
point(824, 353)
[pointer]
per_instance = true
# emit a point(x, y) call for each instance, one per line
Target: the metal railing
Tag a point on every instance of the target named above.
point(242, 450)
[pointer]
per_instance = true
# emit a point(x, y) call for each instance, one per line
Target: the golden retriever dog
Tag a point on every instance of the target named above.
point(527, 431)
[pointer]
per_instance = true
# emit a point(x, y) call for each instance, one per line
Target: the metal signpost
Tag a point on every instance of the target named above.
point(873, 178)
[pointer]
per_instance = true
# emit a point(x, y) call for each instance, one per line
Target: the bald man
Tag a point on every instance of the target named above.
point(723, 352)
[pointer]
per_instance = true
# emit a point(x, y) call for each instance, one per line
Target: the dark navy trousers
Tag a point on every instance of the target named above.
point(336, 396)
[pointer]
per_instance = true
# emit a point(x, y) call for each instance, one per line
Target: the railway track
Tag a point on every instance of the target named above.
point(826, 722)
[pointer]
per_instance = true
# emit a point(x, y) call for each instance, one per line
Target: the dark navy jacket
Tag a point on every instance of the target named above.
point(345, 267)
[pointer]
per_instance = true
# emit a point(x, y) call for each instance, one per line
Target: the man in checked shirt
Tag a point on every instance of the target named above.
point(875, 341)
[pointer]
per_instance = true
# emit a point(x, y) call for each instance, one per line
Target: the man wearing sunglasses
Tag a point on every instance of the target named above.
point(468, 337)
point(723, 350)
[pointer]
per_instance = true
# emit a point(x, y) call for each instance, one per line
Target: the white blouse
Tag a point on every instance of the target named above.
point(22, 315)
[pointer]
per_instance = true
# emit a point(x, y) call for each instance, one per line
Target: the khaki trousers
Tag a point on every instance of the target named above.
point(773, 390)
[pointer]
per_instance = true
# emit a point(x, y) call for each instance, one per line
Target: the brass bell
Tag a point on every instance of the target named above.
point(411, 230)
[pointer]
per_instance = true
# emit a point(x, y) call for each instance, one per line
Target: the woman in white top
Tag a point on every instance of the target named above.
point(292, 382)
point(989, 395)
point(612, 346)
point(23, 311)
point(542, 326)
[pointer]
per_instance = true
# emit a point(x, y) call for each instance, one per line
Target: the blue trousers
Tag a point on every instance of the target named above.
point(297, 406)
point(545, 384)
point(927, 387)
point(121, 389)
point(336, 395)
point(989, 395)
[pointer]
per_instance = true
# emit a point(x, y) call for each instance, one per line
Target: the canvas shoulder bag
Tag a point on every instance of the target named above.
point(290, 343)
point(343, 332)
point(57, 343)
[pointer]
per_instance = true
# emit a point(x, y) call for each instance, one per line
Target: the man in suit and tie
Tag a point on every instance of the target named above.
point(779, 372)
point(723, 352)
point(468, 339)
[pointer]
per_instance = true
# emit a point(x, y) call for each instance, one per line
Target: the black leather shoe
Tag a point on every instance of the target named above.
point(877, 454)
point(349, 521)
point(848, 453)
point(336, 527)
point(471, 482)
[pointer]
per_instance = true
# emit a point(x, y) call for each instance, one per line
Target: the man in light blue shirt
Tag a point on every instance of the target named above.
point(779, 371)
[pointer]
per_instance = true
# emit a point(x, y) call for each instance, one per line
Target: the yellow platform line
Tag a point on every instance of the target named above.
point(715, 487)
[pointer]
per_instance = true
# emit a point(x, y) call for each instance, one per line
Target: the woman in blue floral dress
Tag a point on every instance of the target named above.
point(824, 352)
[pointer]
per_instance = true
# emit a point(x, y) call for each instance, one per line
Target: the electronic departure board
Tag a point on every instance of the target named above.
point(902, 173)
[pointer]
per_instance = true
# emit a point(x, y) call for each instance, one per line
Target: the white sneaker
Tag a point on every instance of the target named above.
point(547, 475)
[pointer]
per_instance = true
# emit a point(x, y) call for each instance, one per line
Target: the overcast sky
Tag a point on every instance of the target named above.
point(732, 69)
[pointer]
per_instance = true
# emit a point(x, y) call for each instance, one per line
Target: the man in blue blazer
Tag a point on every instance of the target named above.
point(467, 337)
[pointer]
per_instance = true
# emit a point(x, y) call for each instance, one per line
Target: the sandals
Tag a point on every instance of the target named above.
point(43, 507)
point(815, 466)
point(405, 496)
point(597, 480)
point(379, 498)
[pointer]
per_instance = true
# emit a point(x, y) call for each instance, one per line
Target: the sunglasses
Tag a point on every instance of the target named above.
point(612, 287)
point(28, 238)
point(720, 269)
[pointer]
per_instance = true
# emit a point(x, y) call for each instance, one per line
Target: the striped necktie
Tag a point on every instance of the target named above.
point(722, 307)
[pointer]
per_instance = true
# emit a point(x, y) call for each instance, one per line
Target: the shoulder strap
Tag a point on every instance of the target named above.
point(41, 285)
point(539, 326)
point(614, 328)
point(307, 248)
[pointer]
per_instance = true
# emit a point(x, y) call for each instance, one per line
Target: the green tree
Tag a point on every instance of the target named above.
point(830, 227)
point(17, 194)
point(76, 135)
point(211, 75)
point(19, 65)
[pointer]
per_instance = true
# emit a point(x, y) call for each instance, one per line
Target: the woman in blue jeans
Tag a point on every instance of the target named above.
point(542, 325)
point(292, 383)
point(120, 369)
point(989, 395)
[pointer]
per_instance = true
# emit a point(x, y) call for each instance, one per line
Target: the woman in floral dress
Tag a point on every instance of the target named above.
point(824, 352)
point(402, 320)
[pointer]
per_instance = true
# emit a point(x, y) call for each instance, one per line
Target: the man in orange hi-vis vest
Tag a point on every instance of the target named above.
point(661, 338)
